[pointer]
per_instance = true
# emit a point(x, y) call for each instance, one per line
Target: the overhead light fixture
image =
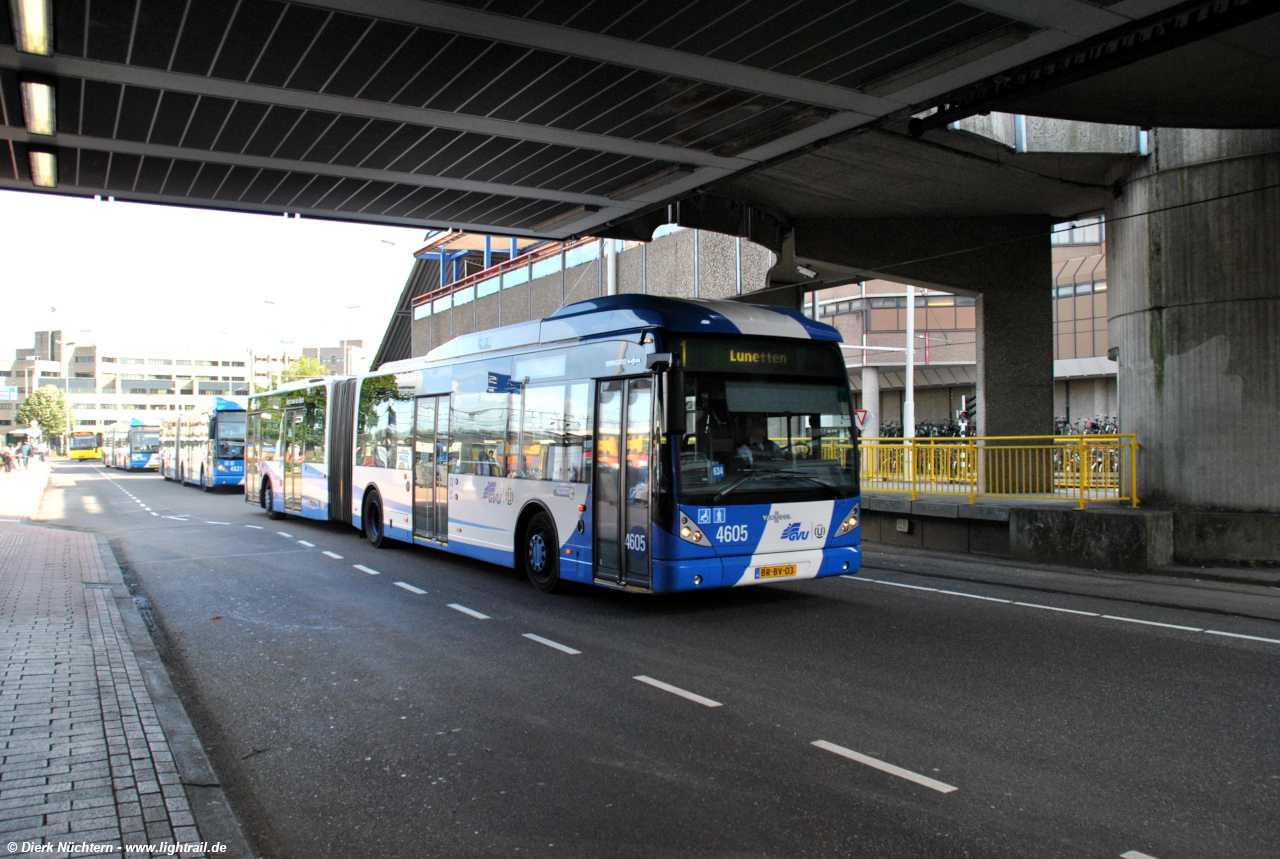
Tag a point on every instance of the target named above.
point(32, 26)
point(44, 168)
point(38, 107)
point(807, 272)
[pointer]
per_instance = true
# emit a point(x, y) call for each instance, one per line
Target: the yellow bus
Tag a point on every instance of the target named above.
point(83, 444)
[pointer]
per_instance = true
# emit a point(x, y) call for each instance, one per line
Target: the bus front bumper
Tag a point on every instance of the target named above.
point(736, 570)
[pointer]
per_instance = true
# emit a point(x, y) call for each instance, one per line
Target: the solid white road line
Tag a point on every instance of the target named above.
point(333, 555)
point(1055, 608)
point(305, 543)
point(941, 787)
point(1238, 635)
point(410, 588)
point(676, 690)
point(972, 596)
point(254, 527)
point(283, 534)
point(470, 611)
point(1068, 610)
point(549, 643)
point(1134, 854)
point(1152, 623)
point(362, 568)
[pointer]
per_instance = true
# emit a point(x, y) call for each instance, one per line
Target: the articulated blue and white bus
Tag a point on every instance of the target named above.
point(131, 445)
point(634, 442)
point(205, 447)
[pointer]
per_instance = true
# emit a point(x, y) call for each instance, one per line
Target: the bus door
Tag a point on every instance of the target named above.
point(430, 468)
point(623, 445)
point(293, 436)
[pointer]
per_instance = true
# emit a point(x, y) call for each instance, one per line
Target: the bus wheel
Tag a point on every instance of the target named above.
point(374, 528)
point(542, 554)
point(269, 502)
point(206, 487)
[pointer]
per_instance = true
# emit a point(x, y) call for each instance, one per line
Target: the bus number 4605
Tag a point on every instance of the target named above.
point(731, 534)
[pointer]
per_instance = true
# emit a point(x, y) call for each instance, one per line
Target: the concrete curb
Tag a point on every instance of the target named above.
point(214, 817)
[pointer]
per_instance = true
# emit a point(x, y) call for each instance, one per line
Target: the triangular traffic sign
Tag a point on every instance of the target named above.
point(860, 419)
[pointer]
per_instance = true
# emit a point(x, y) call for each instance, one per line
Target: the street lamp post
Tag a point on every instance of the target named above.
point(67, 345)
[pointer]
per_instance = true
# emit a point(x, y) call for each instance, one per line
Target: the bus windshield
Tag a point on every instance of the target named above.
point(231, 437)
point(146, 441)
point(86, 441)
point(757, 439)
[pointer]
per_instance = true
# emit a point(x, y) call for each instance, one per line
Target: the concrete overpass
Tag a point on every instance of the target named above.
point(818, 129)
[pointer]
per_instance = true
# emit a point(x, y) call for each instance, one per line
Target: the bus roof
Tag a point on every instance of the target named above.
point(616, 314)
point(229, 404)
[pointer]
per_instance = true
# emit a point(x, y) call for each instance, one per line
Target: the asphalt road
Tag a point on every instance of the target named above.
point(370, 703)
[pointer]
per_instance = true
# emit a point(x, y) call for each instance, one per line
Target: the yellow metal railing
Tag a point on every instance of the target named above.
point(1079, 468)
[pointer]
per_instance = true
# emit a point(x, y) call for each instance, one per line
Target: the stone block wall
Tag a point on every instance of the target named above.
point(664, 266)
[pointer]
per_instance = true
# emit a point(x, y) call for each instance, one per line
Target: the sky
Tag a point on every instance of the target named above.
point(172, 277)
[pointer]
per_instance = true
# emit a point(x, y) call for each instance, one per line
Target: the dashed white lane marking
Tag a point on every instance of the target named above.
point(1176, 626)
point(563, 648)
point(1056, 608)
point(410, 588)
point(1152, 623)
point(362, 568)
point(255, 527)
point(468, 611)
point(875, 763)
point(1238, 635)
point(333, 555)
point(177, 518)
point(676, 690)
point(207, 522)
point(305, 543)
point(283, 534)
point(1134, 854)
point(153, 513)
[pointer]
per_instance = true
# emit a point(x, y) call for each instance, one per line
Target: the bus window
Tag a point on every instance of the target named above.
point(553, 430)
point(385, 424)
point(480, 422)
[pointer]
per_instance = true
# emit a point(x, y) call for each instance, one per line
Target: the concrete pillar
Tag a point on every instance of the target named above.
point(871, 399)
point(1193, 258)
point(1005, 261)
point(1015, 356)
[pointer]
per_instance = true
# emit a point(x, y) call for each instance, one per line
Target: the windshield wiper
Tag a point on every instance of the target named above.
point(715, 499)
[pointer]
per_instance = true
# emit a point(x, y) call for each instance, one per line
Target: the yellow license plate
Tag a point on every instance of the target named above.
point(776, 572)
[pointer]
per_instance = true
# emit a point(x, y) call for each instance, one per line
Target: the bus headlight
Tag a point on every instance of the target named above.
point(691, 533)
point(850, 522)
point(219, 466)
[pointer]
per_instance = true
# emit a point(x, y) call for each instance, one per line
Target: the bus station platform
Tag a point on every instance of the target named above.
point(1107, 535)
point(96, 751)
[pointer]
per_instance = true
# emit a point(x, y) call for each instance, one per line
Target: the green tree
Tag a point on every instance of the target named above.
point(303, 368)
point(46, 407)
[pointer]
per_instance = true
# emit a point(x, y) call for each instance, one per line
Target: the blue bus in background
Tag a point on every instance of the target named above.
point(633, 442)
point(205, 447)
point(131, 445)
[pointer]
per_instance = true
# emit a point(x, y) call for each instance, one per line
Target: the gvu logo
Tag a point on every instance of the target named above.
point(793, 532)
point(491, 493)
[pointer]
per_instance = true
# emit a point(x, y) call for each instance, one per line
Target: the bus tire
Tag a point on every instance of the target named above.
point(375, 530)
point(206, 487)
point(268, 502)
point(182, 476)
point(540, 554)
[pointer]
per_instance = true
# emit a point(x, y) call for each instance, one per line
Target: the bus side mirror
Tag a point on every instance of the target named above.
point(676, 424)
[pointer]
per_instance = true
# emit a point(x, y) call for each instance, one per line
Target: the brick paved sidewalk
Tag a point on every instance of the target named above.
point(84, 756)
